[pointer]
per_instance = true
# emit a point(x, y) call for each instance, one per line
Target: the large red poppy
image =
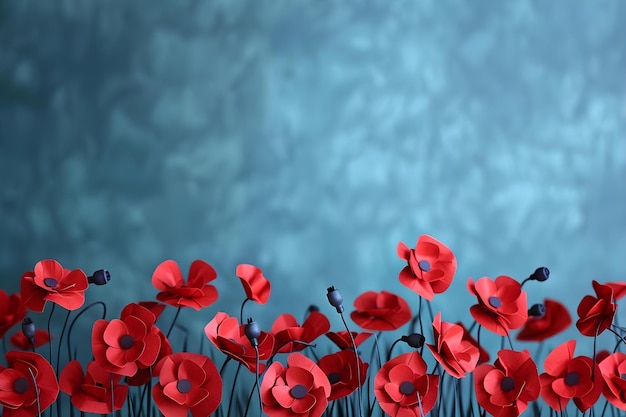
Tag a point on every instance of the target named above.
point(457, 356)
point(144, 374)
point(91, 392)
point(403, 389)
point(286, 331)
point(299, 389)
point(229, 336)
point(501, 304)
point(430, 266)
point(554, 320)
point(340, 368)
point(51, 282)
point(20, 341)
point(484, 355)
point(122, 346)
point(596, 313)
point(12, 311)
point(380, 311)
point(613, 369)
point(196, 293)
point(567, 377)
point(187, 382)
point(27, 378)
point(256, 286)
point(343, 341)
point(505, 388)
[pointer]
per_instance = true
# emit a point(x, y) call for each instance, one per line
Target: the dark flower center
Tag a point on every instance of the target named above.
point(572, 378)
point(407, 388)
point(507, 384)
point(183, 386)
point(126, 341)
point(495, 302)
point(20, 385)
point(334, 378)
point(50, 282)
point(298, 391)
point(424, 265)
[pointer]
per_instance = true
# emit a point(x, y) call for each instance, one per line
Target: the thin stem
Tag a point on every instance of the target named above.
point(84, 310)
point(356, 359)
point(241, 310)
point(167, 335)
point(49, 333)
point(32, 376)
point(232, 391)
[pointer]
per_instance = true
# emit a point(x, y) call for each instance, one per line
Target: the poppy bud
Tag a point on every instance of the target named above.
point(541, 274)
point(100, 277)
point(415, 340)
point(252, 331)
point(335, 299)
point(537, 310)
point(28, 328)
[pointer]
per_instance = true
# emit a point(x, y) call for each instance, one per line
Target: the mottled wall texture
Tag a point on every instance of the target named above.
point(309, 138)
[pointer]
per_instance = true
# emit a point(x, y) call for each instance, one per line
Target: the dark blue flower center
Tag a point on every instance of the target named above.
point(424, 265)
point(333, 378)
point(507, 384)
point(183, 386)
point(407, 388)
point(126, 341)
point(298, 391)
point(20, 385)
point(572, 378)
point(495, 302)
point(50, 282)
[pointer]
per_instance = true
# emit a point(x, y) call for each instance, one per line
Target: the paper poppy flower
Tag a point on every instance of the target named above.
point(12, 311)
point(505, 388)
point(144, 374)
point(483, 354)
point(229, 336)
point(26, 375)
point(342, 338)
point(340, 368)
point(256, 286)
point(21, 342)
point(501, 304)
point(457, 356)
point(596, 313)
point(619, 289)
point(154, 307)
point(51, 282)
point(430, 266)
point(287, 331)
point(567, 377)
point(402, 387)
point(300, 388)
point(380, 311)
point(188, 382)
point(613, 369)
point(91, 392)
point(554, 320)
point(196, 293)
point(122, 346)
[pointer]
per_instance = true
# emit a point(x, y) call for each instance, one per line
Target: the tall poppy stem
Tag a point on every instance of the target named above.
point(241, 310)
point(169, 331)
point(32, 376)
point(49, 321)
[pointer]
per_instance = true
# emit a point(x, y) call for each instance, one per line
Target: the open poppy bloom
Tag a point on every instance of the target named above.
point(457, 356)
point(287, 331)
point(21, 342)
point(554, 320)
point(342, 338)
point(380, 311)
point(501, 304)
point(12, 311)
point(506, 387)
point(613, 369)
point(122, 346)
point(430, 266)
point(301, 388)
point(187, 382)
point(51, 282)
point(27, 375)
point(256, 286)
point(230, 337)
point(403, 389)
point(596, 313)
point(196, 293)
point(144, 374)
point(91, 392)
point(340, 368)
point(483, 354)
point(567, 377)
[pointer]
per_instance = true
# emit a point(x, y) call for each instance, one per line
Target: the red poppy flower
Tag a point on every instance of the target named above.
point(457, 356)
point(286, 330)
point(340, 368)
point(144, 375)
point(155, 308)
point(12, 311)
point(197, 294)
point(555, 319)
point(256, 286)
point(380, 311)
point(613, 369)
point(619, 289)
point(568, 377)
point(505, 388)
point(596, 313)
point(403, 389)
point(122, 346)
point(229, 337)
point(342, 338)
point(21, 342)
point(484, 355)
point(501, 304)
point(51, 282)
point(27, 375)
point(187, 382)
point(91, 392)
point(301, 388)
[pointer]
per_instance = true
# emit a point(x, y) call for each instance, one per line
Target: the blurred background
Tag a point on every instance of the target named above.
point(309, 138)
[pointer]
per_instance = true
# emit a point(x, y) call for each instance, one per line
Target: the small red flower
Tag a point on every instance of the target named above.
point(380, 311)
point(567, 377)
point(505, 388)
point(484, 355)
point(27, 375)
point(596, 313)
point(555, 320)
point(613, 369)
point(12, 311)
point(229, 337)
point(300, 389)
point(51, 282)
point(196, 293)
point(403, 389)
point(501, 304)
point(457, 356)
point(91, 392)
point(21, 342)
point(256, 286)
point(340, 368)
point(342, 338)
point(187, 382)
point(430, 266)
point(286, 331)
